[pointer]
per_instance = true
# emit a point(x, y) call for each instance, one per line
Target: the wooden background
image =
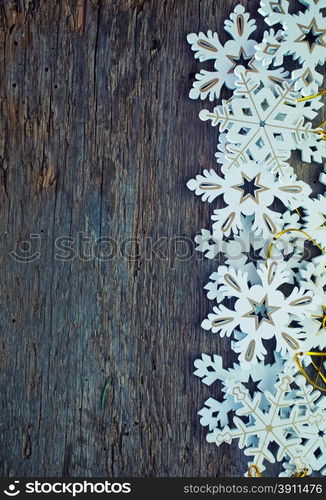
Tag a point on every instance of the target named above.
point(99, 138)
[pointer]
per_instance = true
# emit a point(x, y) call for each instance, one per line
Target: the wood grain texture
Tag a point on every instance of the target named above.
point(98, 140)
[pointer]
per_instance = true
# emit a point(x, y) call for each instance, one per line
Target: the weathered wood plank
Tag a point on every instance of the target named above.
point(99, 137)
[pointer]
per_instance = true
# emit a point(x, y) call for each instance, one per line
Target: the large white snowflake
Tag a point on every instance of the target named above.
point(315, 219)
point(304, 37)
point(260, 312)
point(210, 369)
point(238, 51)
point(249, 190)
point(257, 430)
point(266, 124)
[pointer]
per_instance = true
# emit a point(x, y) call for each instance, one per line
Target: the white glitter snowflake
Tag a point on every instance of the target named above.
point(315, 219)
point(260, 312)
point(210, 369)
point(303, 37)
point(249, 190)
point(266, 124)
point(238, 51)
point(257, 430)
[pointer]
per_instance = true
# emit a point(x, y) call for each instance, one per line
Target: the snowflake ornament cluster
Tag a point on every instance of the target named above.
point(268, 293)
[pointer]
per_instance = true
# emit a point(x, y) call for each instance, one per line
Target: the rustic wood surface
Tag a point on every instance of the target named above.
point(98, 140)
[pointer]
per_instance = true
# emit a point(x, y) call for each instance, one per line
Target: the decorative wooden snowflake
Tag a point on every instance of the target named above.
point(210, 370)
point(304, 37)
point(260, 312)
point(248, 190)
point(238, 51)
point(257, 430)
point(266, 124)
point(315, 219)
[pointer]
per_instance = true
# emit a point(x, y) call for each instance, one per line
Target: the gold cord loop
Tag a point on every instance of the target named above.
point(254, 471)
point(278, 235)
point(318, 368)
point(301, 473)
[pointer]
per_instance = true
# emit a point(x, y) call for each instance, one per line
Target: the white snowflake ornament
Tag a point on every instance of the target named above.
point(249, 190)
point(313, 431)
point(237, 51)
point(266, 124)
point(303, 37)
point(265, 428)
point(261, 312)
point(210, 370)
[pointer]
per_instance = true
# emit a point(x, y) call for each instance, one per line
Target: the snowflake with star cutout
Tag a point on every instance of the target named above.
point(315, 219)
point(261, 312)
point(238, 51)
point(303, 37)
point(266, 124)
point(249, 190)
point(282, 424)
point(210, 370)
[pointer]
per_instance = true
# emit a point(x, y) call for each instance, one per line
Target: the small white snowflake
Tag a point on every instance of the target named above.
point(304, 37)
point(210, 369)
point(261, 311)
point(266, 124)
point(239, 50)
point(248, 191)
